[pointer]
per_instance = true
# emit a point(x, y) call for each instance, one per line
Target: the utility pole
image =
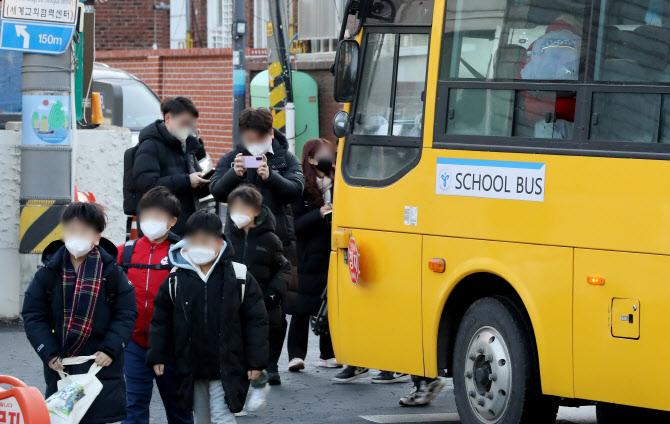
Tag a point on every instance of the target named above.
point(279, 69)
point(239, 67)
point(48, 138)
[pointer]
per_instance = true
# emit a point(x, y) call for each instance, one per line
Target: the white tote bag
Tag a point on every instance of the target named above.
point(75, 394)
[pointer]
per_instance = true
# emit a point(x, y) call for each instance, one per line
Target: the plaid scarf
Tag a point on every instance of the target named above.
point(80, 292)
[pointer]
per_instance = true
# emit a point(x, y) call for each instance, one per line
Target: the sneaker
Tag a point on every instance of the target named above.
point(329, 363)
point(257, 398)
point(296, 364)
point(424, 393)
point(350, 374)
point(242, 413)
point(390, 377)
point(273, 378)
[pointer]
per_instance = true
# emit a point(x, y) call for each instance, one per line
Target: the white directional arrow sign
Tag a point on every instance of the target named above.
point(21, 32)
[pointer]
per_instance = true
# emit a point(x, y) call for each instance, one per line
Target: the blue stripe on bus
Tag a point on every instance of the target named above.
point(493, 163)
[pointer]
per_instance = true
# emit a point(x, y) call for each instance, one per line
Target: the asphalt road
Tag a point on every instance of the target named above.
point(304, 397)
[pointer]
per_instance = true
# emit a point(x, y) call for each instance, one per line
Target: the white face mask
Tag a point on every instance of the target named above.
point(201, 255)
point(78, 246)
point(154, 229)
point(181, 134)
point(259, 149)
point(240, 220)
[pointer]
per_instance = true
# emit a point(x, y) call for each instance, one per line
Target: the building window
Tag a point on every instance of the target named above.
point(219, 23)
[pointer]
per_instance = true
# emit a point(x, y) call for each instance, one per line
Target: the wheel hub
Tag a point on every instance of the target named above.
point(488, 374)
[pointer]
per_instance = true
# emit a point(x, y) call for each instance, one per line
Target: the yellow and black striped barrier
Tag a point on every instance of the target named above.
point(40, 224)
point(278, 95)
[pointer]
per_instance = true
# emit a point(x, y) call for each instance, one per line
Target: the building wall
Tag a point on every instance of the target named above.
point(136, 25)
point(204, 75)
point(132, 25)
point(98, 168)
point(10, 183)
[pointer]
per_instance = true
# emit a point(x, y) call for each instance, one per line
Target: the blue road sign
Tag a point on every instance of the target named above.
point(35, 37)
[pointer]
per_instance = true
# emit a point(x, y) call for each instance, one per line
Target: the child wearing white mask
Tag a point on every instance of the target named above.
point(210, 316)
point(252, 235)
point(79, 304)
point(145, 262)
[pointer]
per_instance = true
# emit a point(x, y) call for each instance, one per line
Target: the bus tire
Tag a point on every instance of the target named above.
point(496, 372)
point(610, 413)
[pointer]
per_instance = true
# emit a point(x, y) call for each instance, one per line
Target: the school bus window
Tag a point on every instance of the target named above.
point(515, 39)
point(378, 162)
point(408, 12)
point(510, 113)
point(633, 41)
point(373, 109)
point(480, 112)
point(631, 117)
point(376, 102)
point(410, 82)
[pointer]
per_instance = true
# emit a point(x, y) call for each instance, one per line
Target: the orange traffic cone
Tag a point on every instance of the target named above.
point(21, 404)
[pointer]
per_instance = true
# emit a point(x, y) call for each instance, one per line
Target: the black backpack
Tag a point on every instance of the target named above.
point(128, 249)
point(130, 195)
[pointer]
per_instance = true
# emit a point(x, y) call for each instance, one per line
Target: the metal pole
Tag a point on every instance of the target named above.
point(46, 147)
point(279, 68)
point(239, 70)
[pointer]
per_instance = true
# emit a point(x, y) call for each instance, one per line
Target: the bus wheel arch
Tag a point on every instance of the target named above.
point(466, 292)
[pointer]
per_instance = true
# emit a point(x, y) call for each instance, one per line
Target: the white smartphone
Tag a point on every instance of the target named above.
point(253, 161)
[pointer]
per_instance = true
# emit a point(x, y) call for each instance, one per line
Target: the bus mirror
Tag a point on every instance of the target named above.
point(346, 70)
point(341, 124)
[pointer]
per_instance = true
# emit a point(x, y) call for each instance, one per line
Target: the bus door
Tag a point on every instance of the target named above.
point(379, 310)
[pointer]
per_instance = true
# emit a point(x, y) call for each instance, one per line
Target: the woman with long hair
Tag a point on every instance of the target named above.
point(312, 214)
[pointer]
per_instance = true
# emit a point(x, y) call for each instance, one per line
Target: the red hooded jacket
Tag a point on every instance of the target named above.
point(147, 281)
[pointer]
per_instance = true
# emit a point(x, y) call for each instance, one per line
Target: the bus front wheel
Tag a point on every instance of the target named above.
point(496, 374)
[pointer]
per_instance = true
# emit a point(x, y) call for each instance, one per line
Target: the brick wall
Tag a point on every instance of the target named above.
point(203, 75)
point(135, 25)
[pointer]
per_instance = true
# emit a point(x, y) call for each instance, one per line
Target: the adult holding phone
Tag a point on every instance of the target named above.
point(168, 155)
point(263, 160)
point(312, 214)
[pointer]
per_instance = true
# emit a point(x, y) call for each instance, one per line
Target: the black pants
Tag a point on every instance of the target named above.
point(298, 334)
point(278, 327)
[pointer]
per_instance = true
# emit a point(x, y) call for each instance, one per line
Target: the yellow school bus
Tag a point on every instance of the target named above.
point(503, 178)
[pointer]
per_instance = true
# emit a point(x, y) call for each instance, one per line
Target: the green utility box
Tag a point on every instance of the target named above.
point(305, 99)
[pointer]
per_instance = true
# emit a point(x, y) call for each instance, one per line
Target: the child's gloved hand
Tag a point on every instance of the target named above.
point(253, 374)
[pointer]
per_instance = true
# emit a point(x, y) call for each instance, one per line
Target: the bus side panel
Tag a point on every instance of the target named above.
point(628, 369)
point(379, 319)
point(541, 275)
point(333, 302)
